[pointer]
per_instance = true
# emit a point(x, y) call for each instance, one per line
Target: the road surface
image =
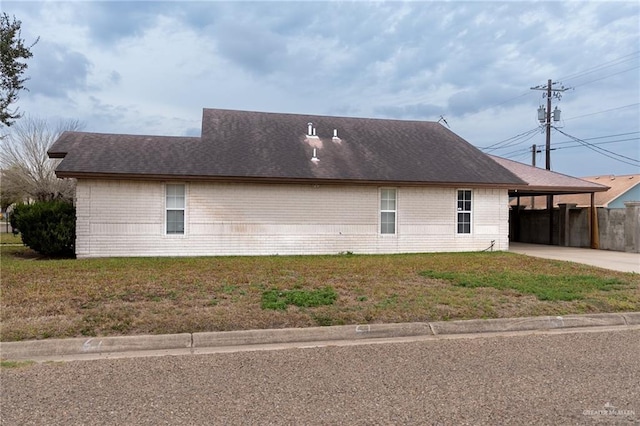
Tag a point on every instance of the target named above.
point(538, 378)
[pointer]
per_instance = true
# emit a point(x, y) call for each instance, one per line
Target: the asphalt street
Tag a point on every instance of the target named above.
point(574, 377)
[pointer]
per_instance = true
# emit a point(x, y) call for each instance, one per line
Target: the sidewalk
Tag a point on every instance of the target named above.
point(614, 260)
point(228, 341)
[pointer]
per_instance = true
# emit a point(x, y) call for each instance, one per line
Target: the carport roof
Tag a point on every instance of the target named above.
point(545, 182)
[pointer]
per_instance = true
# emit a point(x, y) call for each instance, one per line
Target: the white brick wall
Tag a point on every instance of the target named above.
point(126, 218)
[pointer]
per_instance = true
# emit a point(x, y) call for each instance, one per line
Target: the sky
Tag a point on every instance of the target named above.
point(148, 67)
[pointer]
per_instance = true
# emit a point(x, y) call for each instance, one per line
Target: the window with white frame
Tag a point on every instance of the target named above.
point(464, 211)
point(175, 206)
point(388, 211)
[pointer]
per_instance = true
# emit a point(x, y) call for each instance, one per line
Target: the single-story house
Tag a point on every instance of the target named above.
point(258, 183)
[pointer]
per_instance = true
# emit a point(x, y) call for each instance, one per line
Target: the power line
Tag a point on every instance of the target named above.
point(606, 76)
point(597, 144)
point(521, 142)
point(495, 145)
point(602, 66)
point(604, 137)
point(576, 75)
point(599, 150)
point(523, 151)
point(601, 112)
point(508, 100)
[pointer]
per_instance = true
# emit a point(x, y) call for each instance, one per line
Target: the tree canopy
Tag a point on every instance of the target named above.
point(12, 67)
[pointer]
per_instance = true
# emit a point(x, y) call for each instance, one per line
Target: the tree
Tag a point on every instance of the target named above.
point(8, 195)
point(12, 50)
point(27, 170)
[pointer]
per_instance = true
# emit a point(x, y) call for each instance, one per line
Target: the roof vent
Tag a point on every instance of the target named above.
point(335, 136)
point(315, 158)
point(311, 131)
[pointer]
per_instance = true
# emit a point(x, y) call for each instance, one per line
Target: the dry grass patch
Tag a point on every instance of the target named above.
point(9, 238)
point(45, 298)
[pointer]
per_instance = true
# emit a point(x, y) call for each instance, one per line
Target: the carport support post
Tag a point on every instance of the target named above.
point(550, 210)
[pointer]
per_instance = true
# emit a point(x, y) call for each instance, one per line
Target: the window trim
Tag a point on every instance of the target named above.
point(470, 211)
point(183, 209)
point(395, 212)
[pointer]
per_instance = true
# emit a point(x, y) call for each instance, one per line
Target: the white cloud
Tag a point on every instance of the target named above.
point(150, 67)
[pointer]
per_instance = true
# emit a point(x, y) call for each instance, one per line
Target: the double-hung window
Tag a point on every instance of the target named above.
point(388, 211)
point(464, 211)
point(175, 206)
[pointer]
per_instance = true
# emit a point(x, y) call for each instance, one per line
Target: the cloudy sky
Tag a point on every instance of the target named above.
point(147, 67)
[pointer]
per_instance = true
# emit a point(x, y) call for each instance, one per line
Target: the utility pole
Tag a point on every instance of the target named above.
point(534, 151)
point(544, 116)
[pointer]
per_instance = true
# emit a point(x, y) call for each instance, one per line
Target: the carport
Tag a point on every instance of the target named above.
point(548, 183)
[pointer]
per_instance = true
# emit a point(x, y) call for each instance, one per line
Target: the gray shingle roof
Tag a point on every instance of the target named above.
point(269, 146)
point(542, 181)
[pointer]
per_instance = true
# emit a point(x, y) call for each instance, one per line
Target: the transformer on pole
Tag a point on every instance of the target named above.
point(544, 116)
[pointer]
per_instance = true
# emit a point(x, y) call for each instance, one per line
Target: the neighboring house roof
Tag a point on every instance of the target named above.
point(244, 146)
point(542, 181)
point(624, 187)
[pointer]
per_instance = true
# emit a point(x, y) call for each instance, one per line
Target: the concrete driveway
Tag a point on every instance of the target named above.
point(615, 260)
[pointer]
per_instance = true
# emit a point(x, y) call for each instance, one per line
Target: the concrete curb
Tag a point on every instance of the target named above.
point(95, 345)
point(290, 335)
point(527, 323)
point(632, 318)
point(190, 341)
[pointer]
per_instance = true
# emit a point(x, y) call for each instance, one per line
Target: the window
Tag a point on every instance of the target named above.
point(464, 211)
point(175, 208)
point(387, 211)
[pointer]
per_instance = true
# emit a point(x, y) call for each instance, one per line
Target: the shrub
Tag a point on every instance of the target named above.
point(48, 227)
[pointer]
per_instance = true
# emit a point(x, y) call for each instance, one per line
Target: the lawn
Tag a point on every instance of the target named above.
point(55, 298)
point(8, 238)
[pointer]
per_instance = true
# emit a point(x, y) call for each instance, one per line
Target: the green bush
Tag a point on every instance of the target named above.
point(48, 227)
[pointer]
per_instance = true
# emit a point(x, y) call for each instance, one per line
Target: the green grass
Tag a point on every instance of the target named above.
point(281, 299)
point(8, 238)
point(543, 286)
point(16, 364)
point(56, 298)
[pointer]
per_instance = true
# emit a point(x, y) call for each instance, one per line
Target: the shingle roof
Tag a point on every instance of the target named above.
point(269, 146)
point(618, 186)
point(542, 181)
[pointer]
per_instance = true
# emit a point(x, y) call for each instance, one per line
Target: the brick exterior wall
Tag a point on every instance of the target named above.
point(127, 218)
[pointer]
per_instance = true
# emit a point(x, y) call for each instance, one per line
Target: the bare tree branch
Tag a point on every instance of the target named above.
point(26, 168)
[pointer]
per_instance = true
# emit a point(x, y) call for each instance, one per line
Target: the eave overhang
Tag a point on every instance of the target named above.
point(274, 180)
